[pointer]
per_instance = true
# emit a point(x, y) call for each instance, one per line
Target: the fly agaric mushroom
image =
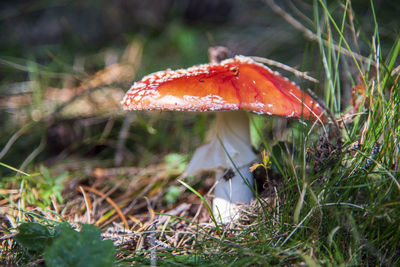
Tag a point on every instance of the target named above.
point(230, 87)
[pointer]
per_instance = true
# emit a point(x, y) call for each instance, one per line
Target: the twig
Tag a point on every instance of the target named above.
point(352, 28)
point(123, 135)
point(54, 203)
point(73, 99)
point(395, 71)
point(110, 201)
point(26, 69)
point(9, 199)
point(147, 224)
point(312, 112)
point(8, 236)
point(324, 107)
point(310, 35)
point(88, 203)
point(136, 221)
point(14, 138)
point(112, 190)
point(165, 226)
point(34, 153)
point(285, 67)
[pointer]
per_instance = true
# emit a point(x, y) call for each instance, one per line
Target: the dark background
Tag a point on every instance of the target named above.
point(175, 31)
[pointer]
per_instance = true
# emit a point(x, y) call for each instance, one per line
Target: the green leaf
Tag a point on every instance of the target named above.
point(278, 152)
point(48, 185)
point(14, 169)
point(188, 259)
point(172, 194)
point(84, 248)
point(176, 161)
point(256, 123)
point(35, 237)
point(205, 204)
point(45, 172)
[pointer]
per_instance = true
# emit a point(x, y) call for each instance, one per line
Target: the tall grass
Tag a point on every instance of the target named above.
point(339, 198)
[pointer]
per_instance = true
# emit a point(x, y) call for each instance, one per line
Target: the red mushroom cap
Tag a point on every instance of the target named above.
point(233, 84)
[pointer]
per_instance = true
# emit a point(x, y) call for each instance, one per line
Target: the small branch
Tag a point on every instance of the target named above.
point(14, 138)
point(34, 153)
point(285, 67)
point(109, 200)
point(312, 36)
point(88, 203)
point(123, 135)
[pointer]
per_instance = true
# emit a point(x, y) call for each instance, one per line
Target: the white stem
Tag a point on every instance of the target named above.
point(230, 136)
point(228, 192)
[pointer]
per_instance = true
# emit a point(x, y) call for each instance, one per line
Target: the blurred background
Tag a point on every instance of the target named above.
point(65, 66)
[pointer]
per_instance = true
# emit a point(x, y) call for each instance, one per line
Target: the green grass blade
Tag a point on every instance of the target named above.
point(14, 169)
point(205, 203)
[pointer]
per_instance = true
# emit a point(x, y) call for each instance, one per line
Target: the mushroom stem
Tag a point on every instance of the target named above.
point(227, 192)
point(227, 152)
